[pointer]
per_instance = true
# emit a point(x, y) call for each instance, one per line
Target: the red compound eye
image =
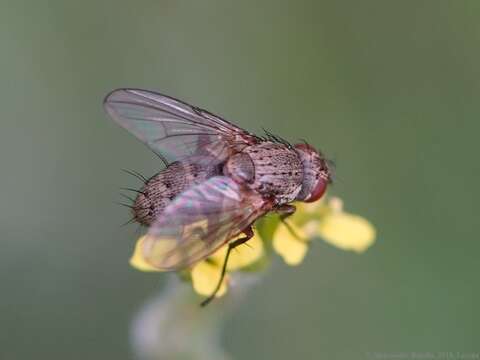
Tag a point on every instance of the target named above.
point(318, 190)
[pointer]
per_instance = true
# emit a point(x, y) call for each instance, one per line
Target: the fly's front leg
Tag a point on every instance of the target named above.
point(285, 211)
point(248, 235)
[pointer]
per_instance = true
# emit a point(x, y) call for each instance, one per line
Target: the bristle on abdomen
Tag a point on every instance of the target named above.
point(162, 188)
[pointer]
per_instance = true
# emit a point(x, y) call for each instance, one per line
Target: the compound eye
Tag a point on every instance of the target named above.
point(318, 190)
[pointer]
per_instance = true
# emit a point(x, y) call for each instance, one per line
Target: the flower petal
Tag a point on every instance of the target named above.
point(347, 231)
point(205, 277)
point(310, 211)
point(291, 248)
point(137, 260)
point(311, 208)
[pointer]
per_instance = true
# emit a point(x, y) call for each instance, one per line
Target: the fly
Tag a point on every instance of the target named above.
point(218, 181)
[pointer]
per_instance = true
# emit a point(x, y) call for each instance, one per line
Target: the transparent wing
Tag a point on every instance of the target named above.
point(173, 128)
point(199, 221)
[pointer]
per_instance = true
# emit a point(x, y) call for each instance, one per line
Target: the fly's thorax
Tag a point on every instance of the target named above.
point(273, 170)
point(163, 187)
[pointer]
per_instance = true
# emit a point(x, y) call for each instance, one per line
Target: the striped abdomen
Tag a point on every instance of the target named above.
point(163, 187)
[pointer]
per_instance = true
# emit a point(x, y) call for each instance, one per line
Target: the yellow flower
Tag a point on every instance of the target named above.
point(344, 230)
point(347, 232)
point(206, 274)
point(242, 256)
point(290, 239)
point(205, 277)
point(326, 220)
point(138, 260)
point(290, 244)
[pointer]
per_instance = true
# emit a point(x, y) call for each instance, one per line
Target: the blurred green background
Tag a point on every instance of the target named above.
point(389, 89)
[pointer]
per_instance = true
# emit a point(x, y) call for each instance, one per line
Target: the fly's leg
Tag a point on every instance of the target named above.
point(248, 235)
point(285, 211)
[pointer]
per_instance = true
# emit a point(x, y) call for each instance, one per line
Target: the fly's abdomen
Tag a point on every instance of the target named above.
point(163, 187)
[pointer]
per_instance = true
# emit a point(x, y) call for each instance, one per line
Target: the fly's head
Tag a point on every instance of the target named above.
point(317, 173)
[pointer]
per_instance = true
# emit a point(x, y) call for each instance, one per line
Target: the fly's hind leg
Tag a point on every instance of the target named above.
point(248, 235)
